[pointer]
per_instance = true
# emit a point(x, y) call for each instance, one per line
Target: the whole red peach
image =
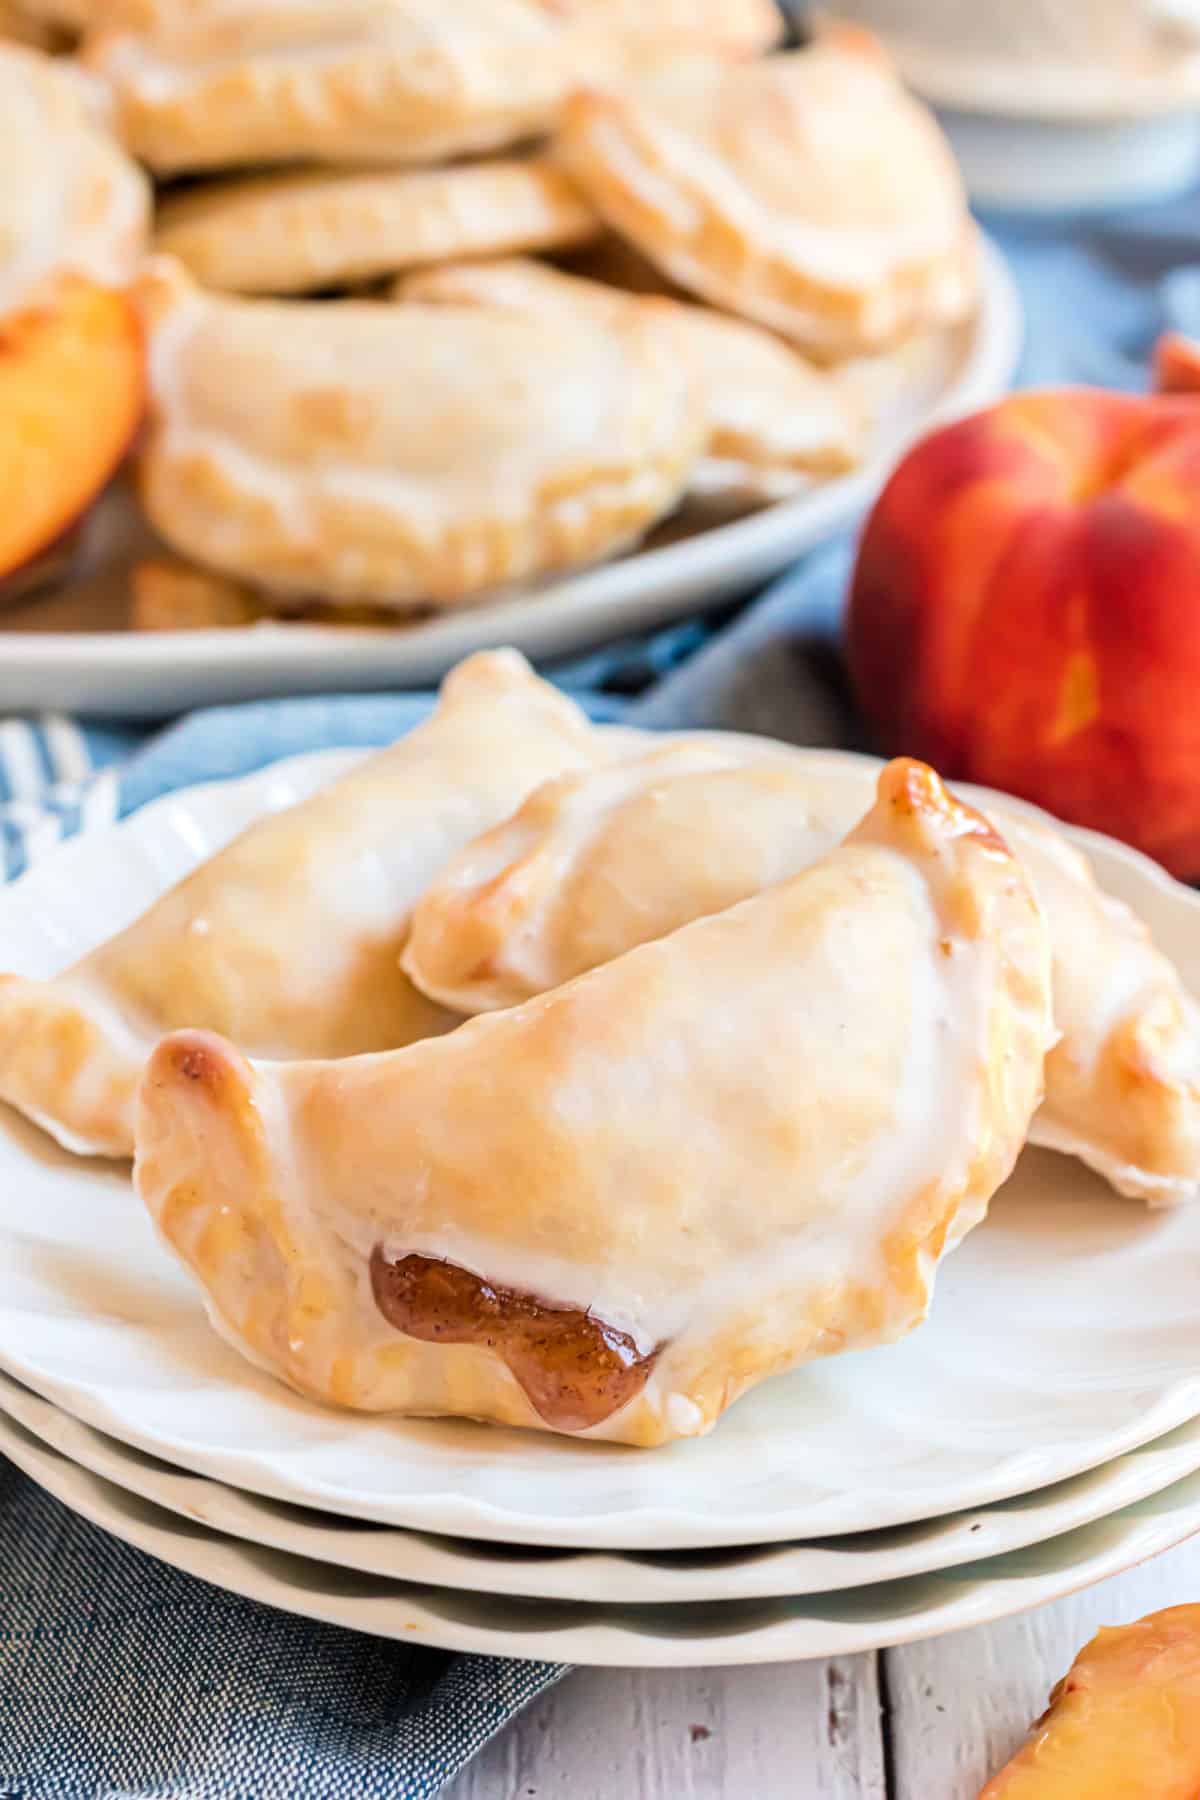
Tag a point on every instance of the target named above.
point(1176, 364)
point(1025, 610)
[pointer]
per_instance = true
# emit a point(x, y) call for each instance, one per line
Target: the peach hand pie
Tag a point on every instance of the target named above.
point(364, 452)
point(262, 81)
point(594, 864)
point(235, 83)
point(71, 201)
point(737, 27)
point(284, 234)
point(1123, 1723)
point(289, 938)
point(771, 414)
point(613, 1209)
point(807, 191)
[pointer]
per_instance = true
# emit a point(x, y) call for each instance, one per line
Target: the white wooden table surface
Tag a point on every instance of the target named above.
point(929, 1722)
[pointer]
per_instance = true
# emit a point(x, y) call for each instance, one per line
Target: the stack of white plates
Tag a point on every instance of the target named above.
point(1042, 1431)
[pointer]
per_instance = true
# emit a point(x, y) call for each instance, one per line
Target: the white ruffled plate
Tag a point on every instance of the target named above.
point(64, 652)
point(647, 1636)
point(604, 1578)
point(1066, 1330)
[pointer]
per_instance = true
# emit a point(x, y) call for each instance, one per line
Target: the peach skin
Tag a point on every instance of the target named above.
point(1176, 364)
point(1123, 1724)
point(1025, 610)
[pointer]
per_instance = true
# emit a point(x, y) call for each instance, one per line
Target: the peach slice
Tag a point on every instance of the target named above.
point(72, 390)
point(1124, 1722)
point(1176, 364)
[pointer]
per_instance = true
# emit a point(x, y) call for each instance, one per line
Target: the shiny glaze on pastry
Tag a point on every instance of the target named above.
point(770, 413)
point(71, 202)
point(236, 83)
point(285, 234)
point(748, 27)
point(289, 938)
point(807, 191)
point(739, 1147)
point(370, 453)
point(591, 865)
point(240, 82)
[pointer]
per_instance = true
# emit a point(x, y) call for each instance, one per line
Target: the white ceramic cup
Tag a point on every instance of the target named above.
point(1054, 103)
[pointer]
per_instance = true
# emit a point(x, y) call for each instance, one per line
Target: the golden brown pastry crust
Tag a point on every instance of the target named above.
point(261, 81)
point(241, 83)
point(740, 1147)
point(771, 413)
point(808, 191)
point(288, 234)
point(290, 937)
point(18, 25)
point(398, 455)
point(166, 594)
point(72, 16)
point(595, 863)
point(738, 27)
point(1124, 1720)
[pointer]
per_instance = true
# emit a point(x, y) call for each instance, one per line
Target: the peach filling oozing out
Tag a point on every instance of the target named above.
point(575, 1370)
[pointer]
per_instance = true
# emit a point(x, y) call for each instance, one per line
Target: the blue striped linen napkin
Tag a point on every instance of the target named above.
point(120, 1678)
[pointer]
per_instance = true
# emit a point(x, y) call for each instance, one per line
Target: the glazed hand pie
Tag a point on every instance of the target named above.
point(771, 415)
point(165, 594)
point(71, 202)
point(230, 83)
point(1123, 1082)
point(289, 938)
point(740, 27)
point(594, 864)
point(807, 191)
point(377, 454)
point(261, 81)
point(612, 1210)
point(294, 233)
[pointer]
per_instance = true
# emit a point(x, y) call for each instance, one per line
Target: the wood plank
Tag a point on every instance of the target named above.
point(774, 1733)
point(961, 1705)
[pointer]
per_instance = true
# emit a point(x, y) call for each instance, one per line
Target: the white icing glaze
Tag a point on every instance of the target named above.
point(404, 455)
point(550, 871)
point(932, 1127)
point(70, 201)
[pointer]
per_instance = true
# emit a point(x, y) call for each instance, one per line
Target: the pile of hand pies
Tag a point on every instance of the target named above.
point(385, 306)
point(571, 1077)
